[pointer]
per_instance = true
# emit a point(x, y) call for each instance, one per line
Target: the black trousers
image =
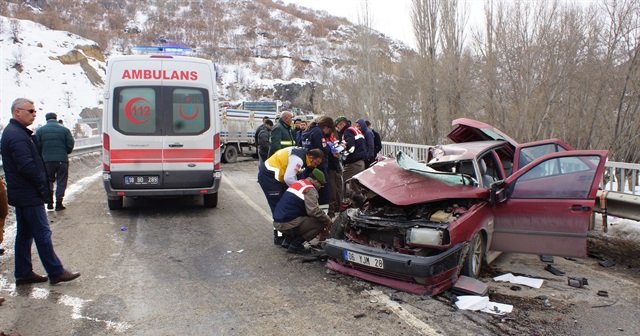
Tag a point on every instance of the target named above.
point(58, 173)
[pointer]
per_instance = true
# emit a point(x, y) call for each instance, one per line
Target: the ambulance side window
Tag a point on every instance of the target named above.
point(135, 109)
point(190, 109)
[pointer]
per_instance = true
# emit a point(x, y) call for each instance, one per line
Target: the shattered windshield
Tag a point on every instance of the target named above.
point(459, 172)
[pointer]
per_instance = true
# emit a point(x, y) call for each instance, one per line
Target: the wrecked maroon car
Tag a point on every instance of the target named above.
point(422, 225)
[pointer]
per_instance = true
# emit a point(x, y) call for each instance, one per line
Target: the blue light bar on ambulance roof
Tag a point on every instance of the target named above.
point(163, 50)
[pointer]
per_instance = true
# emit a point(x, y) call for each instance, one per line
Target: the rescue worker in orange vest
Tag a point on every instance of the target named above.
point(298, 215)
point(281, 170)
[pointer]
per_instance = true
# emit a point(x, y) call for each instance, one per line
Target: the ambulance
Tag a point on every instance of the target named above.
point(161, 127)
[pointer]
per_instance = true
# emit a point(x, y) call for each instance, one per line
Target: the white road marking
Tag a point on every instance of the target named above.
point(403, 314)
point(248, 200)
point(397, 308)
point(76, 305)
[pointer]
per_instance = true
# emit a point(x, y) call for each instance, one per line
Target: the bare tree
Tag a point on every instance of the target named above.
point(426, 21)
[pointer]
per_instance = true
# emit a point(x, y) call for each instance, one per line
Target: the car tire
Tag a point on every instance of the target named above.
point(116, 203)
point(475, 258)
point(230, 154)
point(210, 200)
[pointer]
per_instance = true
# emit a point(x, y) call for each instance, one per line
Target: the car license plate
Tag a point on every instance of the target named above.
point(363, 259)
point(141, 180)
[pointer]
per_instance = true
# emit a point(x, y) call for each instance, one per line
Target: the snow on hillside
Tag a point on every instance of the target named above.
point(53, 86)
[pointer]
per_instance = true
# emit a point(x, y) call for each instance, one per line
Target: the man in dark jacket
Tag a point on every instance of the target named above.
point(316, 137)
point(263, 141)
point(377, 140)
point(257, 132)
point(281, 134)
point(28, 190)
point(56, 143)
point(368, 138)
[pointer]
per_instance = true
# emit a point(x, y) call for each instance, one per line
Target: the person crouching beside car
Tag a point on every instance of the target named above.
point(298, 215)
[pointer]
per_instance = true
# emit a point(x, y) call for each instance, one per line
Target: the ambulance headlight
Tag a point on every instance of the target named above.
point(424, 236)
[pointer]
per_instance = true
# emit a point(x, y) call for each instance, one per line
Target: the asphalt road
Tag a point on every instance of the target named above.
point(172, 267)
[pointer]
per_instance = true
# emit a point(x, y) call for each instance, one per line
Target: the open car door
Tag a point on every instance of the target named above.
point(527, 152)
point(545, 207)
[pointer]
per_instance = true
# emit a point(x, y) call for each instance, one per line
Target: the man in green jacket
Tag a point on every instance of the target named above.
point(56, 143)
point(281, 134)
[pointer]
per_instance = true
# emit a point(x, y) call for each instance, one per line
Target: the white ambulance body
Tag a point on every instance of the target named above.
point(161, 128)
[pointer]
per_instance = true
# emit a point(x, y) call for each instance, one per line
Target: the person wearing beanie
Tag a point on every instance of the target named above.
point(298, 215)
point(55, 144)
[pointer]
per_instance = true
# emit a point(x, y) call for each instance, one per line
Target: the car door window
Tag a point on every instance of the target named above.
point(135, 111)
point(528, 154)
point(564, 177)
point(189, 111)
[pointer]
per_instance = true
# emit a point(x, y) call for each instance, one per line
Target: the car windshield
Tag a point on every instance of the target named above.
point(458, 172)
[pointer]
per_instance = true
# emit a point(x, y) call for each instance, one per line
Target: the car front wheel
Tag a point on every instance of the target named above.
point(475, 257)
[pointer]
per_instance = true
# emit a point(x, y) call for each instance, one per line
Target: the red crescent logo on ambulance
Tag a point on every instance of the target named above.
point(129, 110)
point(189, 117)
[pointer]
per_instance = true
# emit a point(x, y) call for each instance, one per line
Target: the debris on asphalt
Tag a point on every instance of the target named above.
point(240, 251)
point(554, 270)
point(361, 315)
point(319, 257)
point(470, 286)
point(607, 263)
point(1, 251)
point(605, 305)
point(546, 258)
point(603, 293)
point(515, 288)
point(482, 303)
point(123, 228)
point(520, 280)
point(577, 282)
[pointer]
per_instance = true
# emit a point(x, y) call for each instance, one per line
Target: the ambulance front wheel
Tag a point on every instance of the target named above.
point(211, 200)
point(115, 203)
point(230, 154)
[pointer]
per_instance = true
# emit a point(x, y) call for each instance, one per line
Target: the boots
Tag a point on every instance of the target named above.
point(50, 205)
point(59, 205)
point(297, 246)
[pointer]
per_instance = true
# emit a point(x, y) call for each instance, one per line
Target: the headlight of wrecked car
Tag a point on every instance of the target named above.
point(424, 236)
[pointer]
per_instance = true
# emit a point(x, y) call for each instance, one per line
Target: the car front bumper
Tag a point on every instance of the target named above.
point(422, 275)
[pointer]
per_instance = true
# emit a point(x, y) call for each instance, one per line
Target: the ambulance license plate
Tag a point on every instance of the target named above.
point(141, 180)
point(363, 259)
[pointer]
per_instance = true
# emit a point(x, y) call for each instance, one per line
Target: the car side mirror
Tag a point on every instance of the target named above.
point(497, 192)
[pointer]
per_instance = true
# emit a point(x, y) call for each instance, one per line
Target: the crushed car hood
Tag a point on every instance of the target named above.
point(405, 181)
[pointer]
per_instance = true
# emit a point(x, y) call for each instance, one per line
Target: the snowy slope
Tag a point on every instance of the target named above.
point(53, 86)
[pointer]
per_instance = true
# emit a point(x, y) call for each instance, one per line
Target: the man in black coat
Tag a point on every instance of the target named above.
point(28, 190)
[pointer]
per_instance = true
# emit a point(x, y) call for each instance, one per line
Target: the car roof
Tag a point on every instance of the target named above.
point(463, 150)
